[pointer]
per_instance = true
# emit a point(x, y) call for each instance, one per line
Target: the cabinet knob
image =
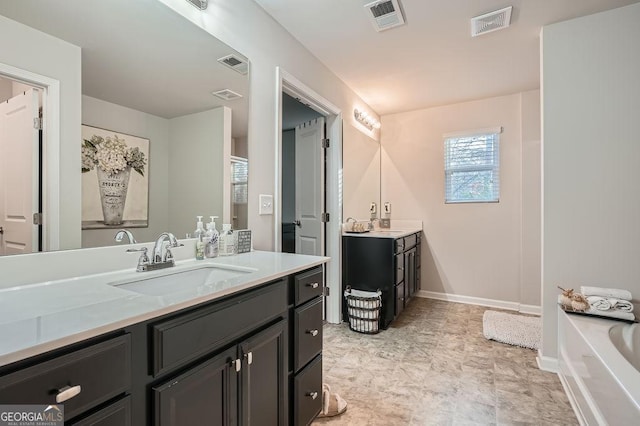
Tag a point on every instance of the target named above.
point(313, 285)
point(312, 332)
point(313, 395)
point(67, 392)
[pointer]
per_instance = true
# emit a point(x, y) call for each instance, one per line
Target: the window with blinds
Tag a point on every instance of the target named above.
point(472, 168)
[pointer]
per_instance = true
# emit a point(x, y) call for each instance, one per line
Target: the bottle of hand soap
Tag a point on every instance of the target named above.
point(211, 247)
point(198, 234)
point(227, 241)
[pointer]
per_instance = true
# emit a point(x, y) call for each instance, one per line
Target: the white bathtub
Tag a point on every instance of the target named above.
point(599, 364)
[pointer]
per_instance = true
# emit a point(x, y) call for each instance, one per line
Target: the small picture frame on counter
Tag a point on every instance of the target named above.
point(244, 241)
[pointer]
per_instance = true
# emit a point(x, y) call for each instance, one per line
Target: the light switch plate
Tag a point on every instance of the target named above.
point(266, 204)
point(387, 207)
point(373, 208)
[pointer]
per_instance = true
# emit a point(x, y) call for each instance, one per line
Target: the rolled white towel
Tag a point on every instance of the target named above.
point(606, 292)
point(612, 313)
point(621, 305)
point(599, 303)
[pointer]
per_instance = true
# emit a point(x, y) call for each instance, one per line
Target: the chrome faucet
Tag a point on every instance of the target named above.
point(122, 233)
point(158, 260)
point(158, 257)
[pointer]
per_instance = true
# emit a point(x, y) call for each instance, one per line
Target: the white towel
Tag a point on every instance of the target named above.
point(606, 292)
point(612, 313)
point(599, 303)
point(621, 305)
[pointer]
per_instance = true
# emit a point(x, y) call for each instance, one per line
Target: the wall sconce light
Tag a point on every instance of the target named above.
point(366, 120)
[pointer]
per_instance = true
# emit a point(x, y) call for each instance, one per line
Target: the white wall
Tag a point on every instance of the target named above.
point(472, 249)
point(198, 162)
point(59, 60)
point(106, 115)
point(246, 27)
point(591, 153)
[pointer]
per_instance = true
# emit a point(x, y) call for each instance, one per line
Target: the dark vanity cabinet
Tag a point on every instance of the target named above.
point(391, 265)
point(251, 358)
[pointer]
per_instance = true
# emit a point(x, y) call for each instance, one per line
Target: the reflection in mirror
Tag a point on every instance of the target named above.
point(360, 173)
point(150, 73)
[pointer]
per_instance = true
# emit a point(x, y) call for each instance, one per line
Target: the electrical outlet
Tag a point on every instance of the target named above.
point(387, 207)
point(373, 208)
point(266, 204)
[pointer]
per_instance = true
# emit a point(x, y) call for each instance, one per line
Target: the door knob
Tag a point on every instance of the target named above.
point(298, 224)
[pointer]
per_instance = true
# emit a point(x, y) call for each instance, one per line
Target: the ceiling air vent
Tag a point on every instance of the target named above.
point(492, 21)
point(235, 63)
point(227, 94)
point(384, 14)
point(200, 4)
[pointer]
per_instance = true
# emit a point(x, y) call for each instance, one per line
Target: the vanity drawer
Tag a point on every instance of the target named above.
point(307, 333)
point(307, 393)
point(410, 241)
point(398, 245)
point(100, 372)
point(116, 414)
point(308, 285)
point(192, 335)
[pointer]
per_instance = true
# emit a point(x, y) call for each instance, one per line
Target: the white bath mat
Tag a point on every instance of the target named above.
point(513, 329)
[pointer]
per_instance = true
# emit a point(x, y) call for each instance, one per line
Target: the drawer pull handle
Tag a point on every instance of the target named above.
point(67, 392)
point(312, 332)
point(313, 285)
point(313, 395)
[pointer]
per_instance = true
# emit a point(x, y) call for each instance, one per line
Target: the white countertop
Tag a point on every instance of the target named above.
point(383, 233)
point(39, 317)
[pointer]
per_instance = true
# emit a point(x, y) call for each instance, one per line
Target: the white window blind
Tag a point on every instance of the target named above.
point(472, 168)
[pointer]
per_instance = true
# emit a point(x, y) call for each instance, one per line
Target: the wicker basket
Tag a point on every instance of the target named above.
point(363, 309)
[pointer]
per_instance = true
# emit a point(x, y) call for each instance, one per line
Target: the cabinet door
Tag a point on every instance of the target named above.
point(264, 376)
point(410, 273)
point(204, 395)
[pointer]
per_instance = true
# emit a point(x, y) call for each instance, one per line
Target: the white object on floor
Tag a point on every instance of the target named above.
point(517, 330)
point(616, 293)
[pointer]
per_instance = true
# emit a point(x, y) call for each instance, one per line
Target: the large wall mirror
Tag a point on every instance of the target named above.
point(155, 96)
point(361, 173)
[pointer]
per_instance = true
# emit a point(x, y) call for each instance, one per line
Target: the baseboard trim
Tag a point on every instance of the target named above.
point(547, 363)
point(470, 300)
point(572, 400)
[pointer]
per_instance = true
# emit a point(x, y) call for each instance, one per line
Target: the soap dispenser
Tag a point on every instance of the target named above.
point(199, 236)
point(211, 247)
point(227, 241)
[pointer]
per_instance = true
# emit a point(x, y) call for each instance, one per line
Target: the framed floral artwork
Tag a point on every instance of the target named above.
point(115, 179)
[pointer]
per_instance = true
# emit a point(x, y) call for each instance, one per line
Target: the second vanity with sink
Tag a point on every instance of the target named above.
point(386, 260)
point(234, 340)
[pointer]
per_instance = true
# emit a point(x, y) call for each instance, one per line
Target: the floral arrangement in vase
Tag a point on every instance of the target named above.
point(113, 162)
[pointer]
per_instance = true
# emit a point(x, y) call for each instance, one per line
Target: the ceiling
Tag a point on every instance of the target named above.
point(432, 60)
point(140, 54)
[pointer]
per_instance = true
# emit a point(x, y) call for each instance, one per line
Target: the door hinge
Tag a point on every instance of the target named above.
point(325, 143)
point(325, 217)
point(327, 291)
point(37, 218)
point(37, 123)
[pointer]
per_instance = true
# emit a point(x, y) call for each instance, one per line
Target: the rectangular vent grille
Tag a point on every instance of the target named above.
point(382, 9)
point(384, 14)
point(227, 94)
point(235, 63)
point(492, 21)
point(200, 4)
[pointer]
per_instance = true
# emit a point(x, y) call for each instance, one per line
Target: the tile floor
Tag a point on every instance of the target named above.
point(434, 367)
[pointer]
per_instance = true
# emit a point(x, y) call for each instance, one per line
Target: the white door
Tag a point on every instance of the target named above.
point(19, 173)
point(310, 187)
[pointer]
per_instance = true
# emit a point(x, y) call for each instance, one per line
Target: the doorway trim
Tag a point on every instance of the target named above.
point(286, 82)
point(50, 150)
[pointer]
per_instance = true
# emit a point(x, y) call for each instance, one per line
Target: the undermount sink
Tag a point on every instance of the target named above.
point(173, 281)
